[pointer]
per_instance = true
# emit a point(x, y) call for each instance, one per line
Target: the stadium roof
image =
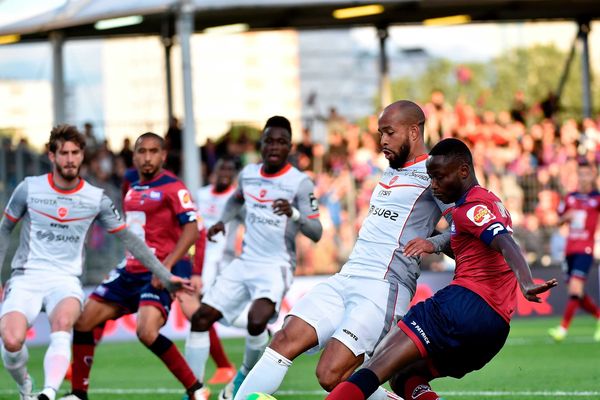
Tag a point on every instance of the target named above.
point(76, 18)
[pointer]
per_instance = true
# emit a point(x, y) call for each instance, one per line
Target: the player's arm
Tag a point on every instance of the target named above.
point(565, 213)
point(15, 209)
point(306, 215)
point(505, 244)
point(189, 235)
point(232, 209)
point(110, 218)
point(437, 242)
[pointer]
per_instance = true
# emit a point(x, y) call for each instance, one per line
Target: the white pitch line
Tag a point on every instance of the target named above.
point(517, 394)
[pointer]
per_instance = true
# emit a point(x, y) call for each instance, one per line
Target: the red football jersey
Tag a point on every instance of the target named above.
point(478, 217)
point(585, 208)
point(155, 212)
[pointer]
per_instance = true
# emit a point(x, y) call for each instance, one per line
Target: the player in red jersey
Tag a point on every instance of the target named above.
point(160, 211)
point(580, 210)
point(464, 325)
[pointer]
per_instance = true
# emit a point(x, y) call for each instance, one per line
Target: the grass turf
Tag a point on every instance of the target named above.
point(530, 366)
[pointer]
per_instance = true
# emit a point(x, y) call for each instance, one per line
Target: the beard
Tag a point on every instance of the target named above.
point(68, 175)
point(400, 156)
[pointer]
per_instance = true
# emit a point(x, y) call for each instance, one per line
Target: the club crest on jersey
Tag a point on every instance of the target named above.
point(62, 212)
point(262, 193)
point(156, 195)
point(480, 215)
point(185, 199)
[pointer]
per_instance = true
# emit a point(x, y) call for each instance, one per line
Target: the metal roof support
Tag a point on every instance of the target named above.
point(385, 89)
point(57, 40)
point(584, 30)
point(167, 41)
point(191, 153)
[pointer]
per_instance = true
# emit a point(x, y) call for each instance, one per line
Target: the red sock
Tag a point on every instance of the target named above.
point(346, 391)
point(83, 357)
point(98, 332)
point(216, 350)
point(168, 353)
point(572, 307)
point(417, 388)
point(587, 303)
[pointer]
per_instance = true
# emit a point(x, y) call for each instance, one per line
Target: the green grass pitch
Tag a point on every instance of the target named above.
point(530, 366)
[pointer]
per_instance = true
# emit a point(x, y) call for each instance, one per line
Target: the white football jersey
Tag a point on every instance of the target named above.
point(269, 237)
point(210, 206)
point(55, 224)
point(402, 208)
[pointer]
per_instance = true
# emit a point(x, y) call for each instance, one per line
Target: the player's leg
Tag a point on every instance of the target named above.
point(95, 313)
point(62, 317)
point(150, 319)
point(578, 265)
point(396, 351)
point(23, 299)
point(13, 329)
point(295, 337)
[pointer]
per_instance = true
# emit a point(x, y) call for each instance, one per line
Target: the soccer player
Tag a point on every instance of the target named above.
point(57, 210)
point(159, 209)
point(279, 203)
point(348, 314)
point(464, 325)
point(580, 210)
point(218, 253)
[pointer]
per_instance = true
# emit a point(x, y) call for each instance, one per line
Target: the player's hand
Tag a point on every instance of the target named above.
point(196, 283)
point(156, 283)
point(177, 283)
point(531, 291)
point(417, 247)
point(282, 207)
point(215, 229)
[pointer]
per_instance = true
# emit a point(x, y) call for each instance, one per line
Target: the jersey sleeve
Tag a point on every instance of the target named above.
point(483, 219)
point(17, 204)
point(109, 217)
point(563, 207)
point(180, 201)
point(305, 200)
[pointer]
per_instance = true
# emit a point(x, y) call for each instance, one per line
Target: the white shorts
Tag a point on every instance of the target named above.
point(210, 270)
point(31, 293)
point(357, 311)
point(240, 283)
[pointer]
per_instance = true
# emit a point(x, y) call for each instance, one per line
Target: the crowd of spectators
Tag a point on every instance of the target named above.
point(523, 154)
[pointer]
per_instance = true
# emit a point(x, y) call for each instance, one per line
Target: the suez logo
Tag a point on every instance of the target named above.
point(382, 212)
point(52, 237)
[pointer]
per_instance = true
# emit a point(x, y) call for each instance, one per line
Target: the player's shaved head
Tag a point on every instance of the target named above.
point(150, 135)
point(405, 112)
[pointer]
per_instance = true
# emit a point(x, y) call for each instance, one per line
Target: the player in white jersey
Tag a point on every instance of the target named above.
point(348, 314)
point(56, 211)
point(218, 252)
point(279, 203)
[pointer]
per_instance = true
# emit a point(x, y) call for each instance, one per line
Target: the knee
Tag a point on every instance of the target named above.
point(12, 342)
point(256, 326)
point(328, 377)
point(146, 335)
point(201, 320)
point(62, 323)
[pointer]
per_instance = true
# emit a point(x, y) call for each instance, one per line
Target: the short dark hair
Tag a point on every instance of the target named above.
point(278, 121)
point(150, 135)
point(65, 133)
point(453, 148)
point(229, 159)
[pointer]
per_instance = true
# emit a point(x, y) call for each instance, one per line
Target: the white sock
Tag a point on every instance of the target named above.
point(266, 376)
point(255, 345)
point(16, 364)
point(49, 392)
point(197, 347)
point(382, 394)
point(57, 360)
